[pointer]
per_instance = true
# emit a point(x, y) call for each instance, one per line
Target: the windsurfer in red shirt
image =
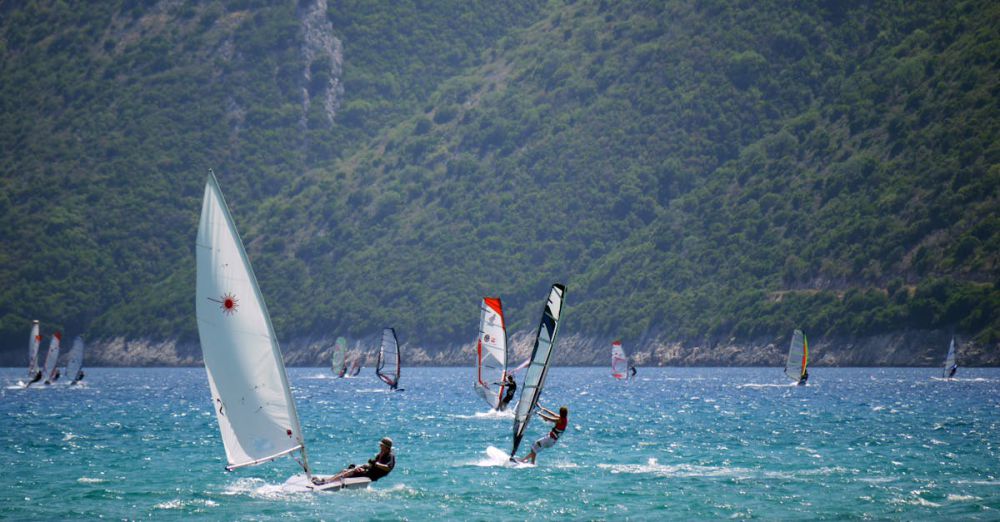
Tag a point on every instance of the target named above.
point(561, 423)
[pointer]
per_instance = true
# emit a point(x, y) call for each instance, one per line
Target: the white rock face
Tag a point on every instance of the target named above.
point(320, 44)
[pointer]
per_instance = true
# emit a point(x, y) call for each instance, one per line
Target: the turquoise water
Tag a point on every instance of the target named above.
point(679, 443)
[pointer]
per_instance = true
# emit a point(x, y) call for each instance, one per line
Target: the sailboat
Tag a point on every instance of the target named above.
point(619, 361)
point(73, 367)
point(338, 362)
point(950, 366)
point(541, 356)
point(491, 352)
point(34, 342)
point(798, 358)
point(246, 375)
point(387, 367)
point(51, 373)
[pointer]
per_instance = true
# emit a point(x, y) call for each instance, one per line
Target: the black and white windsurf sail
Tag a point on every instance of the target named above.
point(387, 368)
point(538, 368)
point(950, 365)
point(491, 352)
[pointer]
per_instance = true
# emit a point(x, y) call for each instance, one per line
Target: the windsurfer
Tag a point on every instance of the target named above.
point(78, 378)
point(375, 469)
point(508, 393)
point(36, 378)
point(561, 422)
point(55, 377)
point(631, 372)
point(805, 377)
point(952, 370)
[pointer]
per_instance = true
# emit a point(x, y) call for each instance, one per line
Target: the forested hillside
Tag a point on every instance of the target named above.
point(691, 171)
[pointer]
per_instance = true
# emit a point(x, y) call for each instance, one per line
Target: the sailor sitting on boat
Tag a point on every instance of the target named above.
point(375, 469)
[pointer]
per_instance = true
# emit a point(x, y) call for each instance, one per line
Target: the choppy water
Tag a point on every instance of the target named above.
point(681, 443)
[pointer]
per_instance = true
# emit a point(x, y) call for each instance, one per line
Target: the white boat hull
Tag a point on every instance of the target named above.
point(301, 483)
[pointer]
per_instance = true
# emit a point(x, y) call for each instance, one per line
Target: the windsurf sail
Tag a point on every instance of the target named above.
point(491, 352)
point(387, 368)
point(619, 361)
point(246, 374)
point(338, 363)
point(950, 366)
point(34, 342)
point(798, 356)
point(541, 356)
point(50, 372)
point(356, 365)
point(75, 359)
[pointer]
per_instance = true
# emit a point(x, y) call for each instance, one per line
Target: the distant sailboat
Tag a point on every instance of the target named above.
point(34, 343)
point(246, 374)
point(388, 364)
point(74, 366)
point(798, 358)
point(619, 361)
point(950, 365)
point(538, 369)
point(51, 372)
point(338, 362)
point(491, 352)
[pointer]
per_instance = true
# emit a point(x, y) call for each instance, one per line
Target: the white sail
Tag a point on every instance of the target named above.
point(949, 361)
point(491, 352)
point(34, 342)
point(75, 359)
point(52, 357)
point(619, 361)
point(387, 368)
point(246, 374)
point(798, 356)
point(338, 361)
point(541, 356)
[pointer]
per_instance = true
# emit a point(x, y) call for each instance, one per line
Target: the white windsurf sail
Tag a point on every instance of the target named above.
point(75, 362)
point(246, 374)
point(950, 366)
point(34, 342)
point(798, 356)
point(51, 357)
point(541, 356)
point(338, 363)
point(491, 352)
point(387, 368)
point(619, 361)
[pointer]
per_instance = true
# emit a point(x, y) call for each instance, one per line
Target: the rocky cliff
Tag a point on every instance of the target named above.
point(912, 348)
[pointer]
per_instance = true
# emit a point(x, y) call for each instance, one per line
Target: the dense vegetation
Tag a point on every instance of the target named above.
point(690, 171)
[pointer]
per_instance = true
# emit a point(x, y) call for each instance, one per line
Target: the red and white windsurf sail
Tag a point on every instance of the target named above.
point(491, 352)
point(619, 362)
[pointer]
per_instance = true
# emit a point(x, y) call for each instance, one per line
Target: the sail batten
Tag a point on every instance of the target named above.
point(246, 373)
point(538, 368)
point(491, 352)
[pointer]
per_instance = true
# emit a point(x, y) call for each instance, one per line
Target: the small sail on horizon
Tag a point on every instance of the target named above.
point(950, 365)
point(619, 361)
point(338, 361)
point(388, 364)
point(75, 362)
point(34, 343)
point(246, 374)
point(538, 369)
point(491, 352)
point(51, 373)
point(798, 357)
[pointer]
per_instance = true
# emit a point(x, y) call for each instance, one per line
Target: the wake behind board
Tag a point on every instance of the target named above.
point(301, 483)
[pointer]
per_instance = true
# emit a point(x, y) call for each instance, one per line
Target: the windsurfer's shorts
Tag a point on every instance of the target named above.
point(542, 443)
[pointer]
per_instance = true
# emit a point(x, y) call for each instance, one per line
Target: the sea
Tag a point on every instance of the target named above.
point(674, 444)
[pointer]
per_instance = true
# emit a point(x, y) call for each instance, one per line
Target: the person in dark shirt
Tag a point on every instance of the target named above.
point(375, 469)
point(508, 393)
point(805, 377)
point(631, 372)
point(78, 378)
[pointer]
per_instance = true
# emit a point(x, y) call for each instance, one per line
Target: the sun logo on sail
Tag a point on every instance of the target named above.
point(229, 303)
